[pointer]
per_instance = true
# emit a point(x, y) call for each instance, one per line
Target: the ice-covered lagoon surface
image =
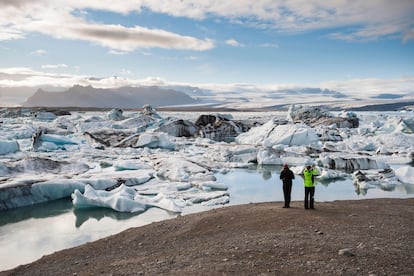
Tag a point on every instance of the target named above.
point(130, 155)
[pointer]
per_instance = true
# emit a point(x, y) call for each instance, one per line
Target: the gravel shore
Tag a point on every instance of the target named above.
point(362, 237)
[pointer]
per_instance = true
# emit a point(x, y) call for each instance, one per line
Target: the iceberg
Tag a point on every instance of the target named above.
point(405, 174)
point(122, 199)
point(271, 134)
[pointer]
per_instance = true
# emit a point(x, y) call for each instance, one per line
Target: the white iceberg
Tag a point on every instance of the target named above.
point(405, 174)
point(122, 199)
point(271, 134)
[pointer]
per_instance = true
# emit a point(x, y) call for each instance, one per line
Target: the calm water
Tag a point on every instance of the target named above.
point(28, 233)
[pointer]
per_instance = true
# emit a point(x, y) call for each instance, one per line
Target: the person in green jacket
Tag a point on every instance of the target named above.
point(309, 174)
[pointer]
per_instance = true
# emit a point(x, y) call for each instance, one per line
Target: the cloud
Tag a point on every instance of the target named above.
point(362, 19)
point(54, 66)
point(39, 52)
point(269, 45)
point(357, 20)
point(116, 52)
point(409, 35)
point(67, 21)
point(129, 39)
point(235, 43)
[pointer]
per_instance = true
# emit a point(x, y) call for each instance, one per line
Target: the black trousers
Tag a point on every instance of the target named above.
point(287, 190)
point(309, 193)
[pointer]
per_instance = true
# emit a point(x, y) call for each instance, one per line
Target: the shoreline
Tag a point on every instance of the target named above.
point(251, 239)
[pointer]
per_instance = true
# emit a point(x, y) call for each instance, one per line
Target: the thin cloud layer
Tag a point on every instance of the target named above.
point(358, 19)
point(26, 77)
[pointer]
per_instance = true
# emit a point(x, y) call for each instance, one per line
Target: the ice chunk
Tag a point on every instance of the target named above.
point(265, 157)
point(405, 174)
point(7, 147)
point(122, 199)
point(154, 140)
point(115, 114)
point(270, 134)
point(350, 162)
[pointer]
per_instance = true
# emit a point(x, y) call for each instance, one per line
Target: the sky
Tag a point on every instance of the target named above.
point(354, 46)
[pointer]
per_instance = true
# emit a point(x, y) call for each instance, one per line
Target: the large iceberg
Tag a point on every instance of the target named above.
point(271, 134)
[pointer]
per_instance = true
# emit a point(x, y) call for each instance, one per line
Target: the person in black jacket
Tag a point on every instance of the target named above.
point(287, 176)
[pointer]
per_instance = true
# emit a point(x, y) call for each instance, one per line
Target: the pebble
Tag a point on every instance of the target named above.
point(346, 252)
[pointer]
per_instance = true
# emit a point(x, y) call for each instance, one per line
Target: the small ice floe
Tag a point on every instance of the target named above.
point(350, 162)
point(147, 139)
point(169, 188)
point(195, 195)
point(217, 201)
point(150, 111)
point(45, 115)
point(405, 174)
point(38, 165)
point(138, 123)
point(124, 165)
point(176, 168)
point(212, 185)
point(7, 147)
point(267, 157)
point(122, 199)
point(115, 114)
point(231, 156)
point(384, 179)
point(326, 174)
point(50, 142)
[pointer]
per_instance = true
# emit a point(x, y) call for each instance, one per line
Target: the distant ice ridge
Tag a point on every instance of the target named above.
point(133, 161)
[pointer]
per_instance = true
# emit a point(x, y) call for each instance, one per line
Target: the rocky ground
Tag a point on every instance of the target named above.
point(365, 237)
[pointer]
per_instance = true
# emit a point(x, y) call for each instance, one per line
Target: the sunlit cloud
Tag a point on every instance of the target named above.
point(235, 43)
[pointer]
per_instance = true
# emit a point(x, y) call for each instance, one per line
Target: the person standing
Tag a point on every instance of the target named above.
point(286, 175)
point(309, 174)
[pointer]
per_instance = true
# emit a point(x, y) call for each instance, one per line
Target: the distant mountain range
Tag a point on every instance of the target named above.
point(182, 97)
point(123, 97)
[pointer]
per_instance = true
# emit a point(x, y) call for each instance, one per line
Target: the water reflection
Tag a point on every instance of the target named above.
point(247, 185)
point(83, 215)
point(41, 210)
